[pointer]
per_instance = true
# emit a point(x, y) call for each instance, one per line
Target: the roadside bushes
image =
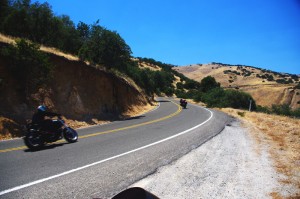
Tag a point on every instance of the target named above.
point(221, 98)
point(281, 109)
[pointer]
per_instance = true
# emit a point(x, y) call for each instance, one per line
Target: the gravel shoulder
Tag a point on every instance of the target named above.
point(231, 165)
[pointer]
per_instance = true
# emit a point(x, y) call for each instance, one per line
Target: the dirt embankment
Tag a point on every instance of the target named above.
point(82, 93)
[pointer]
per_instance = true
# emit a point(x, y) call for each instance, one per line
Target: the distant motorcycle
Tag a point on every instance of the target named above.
point(36, 138)
point(183, 103)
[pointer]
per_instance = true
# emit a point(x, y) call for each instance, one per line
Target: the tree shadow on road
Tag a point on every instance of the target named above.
point(163, 101)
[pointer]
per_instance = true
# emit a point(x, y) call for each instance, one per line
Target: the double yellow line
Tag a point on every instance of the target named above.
point(109, 131)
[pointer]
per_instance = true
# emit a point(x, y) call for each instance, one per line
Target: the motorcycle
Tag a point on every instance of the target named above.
point(36, 138)
point(183, 103)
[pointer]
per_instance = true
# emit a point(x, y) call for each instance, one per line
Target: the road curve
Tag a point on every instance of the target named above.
point(107, 158)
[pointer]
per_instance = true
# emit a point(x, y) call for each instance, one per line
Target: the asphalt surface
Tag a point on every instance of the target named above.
point(107, 158)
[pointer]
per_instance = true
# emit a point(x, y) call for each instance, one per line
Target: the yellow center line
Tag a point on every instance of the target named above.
point(109, 131)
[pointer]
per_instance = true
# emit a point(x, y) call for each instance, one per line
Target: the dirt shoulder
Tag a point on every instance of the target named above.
point(257, 156)
point(281, 135)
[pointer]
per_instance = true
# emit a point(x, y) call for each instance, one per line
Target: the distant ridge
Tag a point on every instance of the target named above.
point(267, 87)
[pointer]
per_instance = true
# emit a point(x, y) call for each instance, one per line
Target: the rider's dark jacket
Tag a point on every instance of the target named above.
point(39, 119)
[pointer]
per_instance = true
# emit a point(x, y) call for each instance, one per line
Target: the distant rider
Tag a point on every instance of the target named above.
point(182, 101)
point(39, 118)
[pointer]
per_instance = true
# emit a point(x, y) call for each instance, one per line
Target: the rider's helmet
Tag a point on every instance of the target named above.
point(42, 108)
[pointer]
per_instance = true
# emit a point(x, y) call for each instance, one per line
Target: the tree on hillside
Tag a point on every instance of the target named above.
point(69, 36)
point(83, 31)
point(4, 11)
point(16, 22)
point(208, 83)
point(105, 47)
point(39, 22)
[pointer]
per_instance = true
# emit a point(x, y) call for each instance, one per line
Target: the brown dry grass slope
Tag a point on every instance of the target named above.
point(255, 81)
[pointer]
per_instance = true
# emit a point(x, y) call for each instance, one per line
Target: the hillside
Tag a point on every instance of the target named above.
point(79, 91)
point(266, 87)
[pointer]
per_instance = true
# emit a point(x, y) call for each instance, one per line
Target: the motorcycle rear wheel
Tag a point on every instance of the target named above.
point(33, 141)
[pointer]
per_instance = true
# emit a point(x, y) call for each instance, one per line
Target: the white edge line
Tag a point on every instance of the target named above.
point(105, 160)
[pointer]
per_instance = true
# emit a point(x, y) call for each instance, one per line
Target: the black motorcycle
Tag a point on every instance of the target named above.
point(36, 138)
point(183, 103)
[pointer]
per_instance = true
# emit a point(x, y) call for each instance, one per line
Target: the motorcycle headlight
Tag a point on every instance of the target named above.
point(32, 130)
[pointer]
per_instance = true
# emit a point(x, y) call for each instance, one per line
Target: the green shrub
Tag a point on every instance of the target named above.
point(208, 83)
point(179, 85)
point(219, 97)
point(29, 65)
point(263, 109)
point(296, 113)
point(242, 114)
point(282, 109)
point(198, 97)
point(181, 94)
point(169, 91)
point(214, 97)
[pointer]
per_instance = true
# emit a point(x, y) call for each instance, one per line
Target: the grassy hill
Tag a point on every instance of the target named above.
point(266, 87)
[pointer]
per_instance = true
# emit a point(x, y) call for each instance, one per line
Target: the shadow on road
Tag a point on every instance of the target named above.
point(46, 147)
point(134, 118)
point(163, 101)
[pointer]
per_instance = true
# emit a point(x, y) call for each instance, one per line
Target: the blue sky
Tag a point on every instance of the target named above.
point(261, 33)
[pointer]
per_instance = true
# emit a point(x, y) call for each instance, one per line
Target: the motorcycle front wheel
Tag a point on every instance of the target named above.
point(33, 141)
point(70, 135)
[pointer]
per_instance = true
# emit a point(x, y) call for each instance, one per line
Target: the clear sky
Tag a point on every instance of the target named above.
point(261, 33)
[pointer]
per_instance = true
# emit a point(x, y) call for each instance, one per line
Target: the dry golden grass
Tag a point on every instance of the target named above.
point(177, 80)
point(144, 65)
point(282, 135)
point(11, 40)
point(6, 39)
point(59, 53)
point(197, 73)
point(139, 110)
point(264, 92)
point(9, 129)
point(280, 94)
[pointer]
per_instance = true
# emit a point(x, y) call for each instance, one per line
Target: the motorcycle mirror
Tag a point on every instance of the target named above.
point(135, 193)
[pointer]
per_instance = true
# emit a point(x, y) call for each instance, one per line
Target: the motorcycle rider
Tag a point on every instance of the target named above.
point(39, 118)
point(182, 101)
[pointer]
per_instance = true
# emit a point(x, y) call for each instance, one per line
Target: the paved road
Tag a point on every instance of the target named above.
point(107, 158)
